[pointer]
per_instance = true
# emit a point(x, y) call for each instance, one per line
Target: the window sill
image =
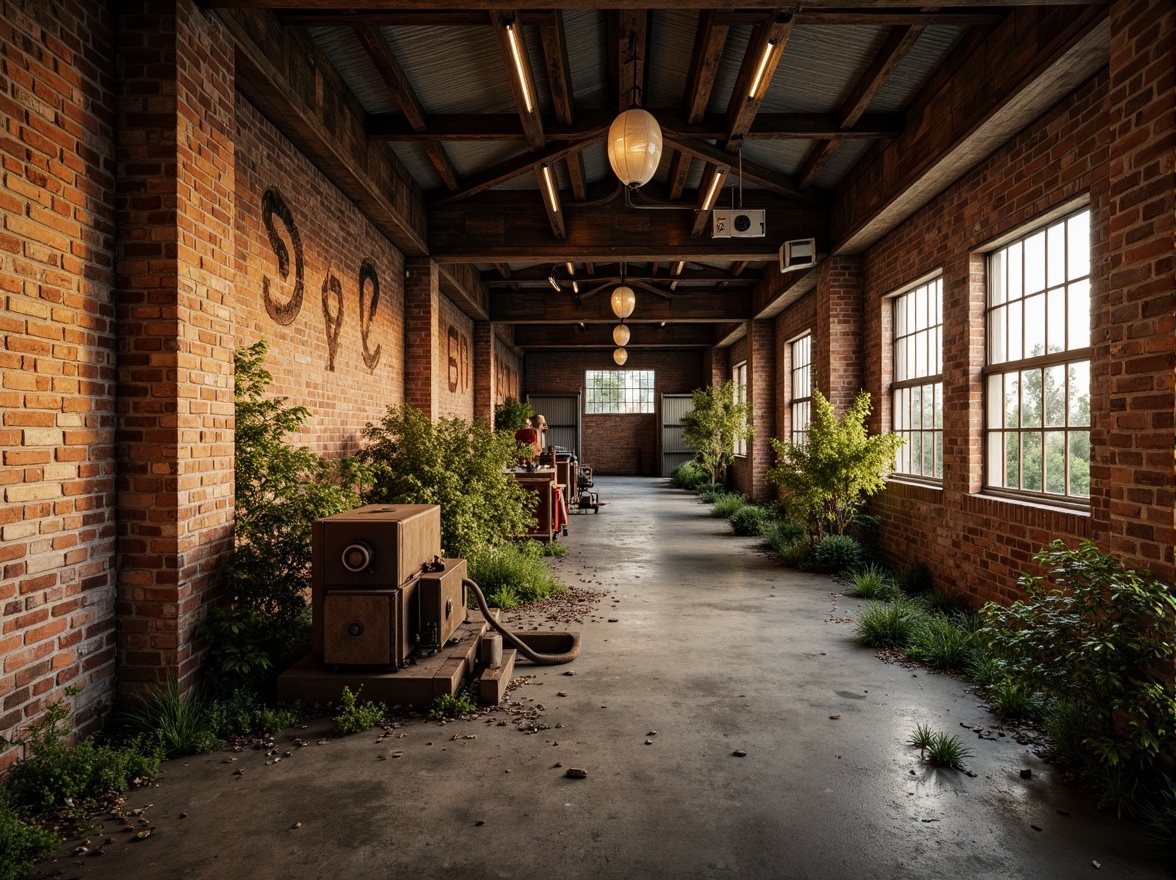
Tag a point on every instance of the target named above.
point(1044, 503)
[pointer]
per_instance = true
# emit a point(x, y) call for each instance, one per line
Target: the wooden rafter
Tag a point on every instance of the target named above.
point(898, 43)
point(559, 77)
point(709, 40)
point(392, 74)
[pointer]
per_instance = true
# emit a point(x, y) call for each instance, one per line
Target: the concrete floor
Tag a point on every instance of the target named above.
point(716, 648)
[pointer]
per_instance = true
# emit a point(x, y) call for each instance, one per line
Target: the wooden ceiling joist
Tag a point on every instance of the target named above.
point(709, 40)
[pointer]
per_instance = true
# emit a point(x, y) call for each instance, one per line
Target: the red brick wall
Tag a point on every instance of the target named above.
point(837, 363)
point(796, 320)
point(616, 444)
point(457, 362)
point(57, 356)
point(333, 353)
point(508, 372)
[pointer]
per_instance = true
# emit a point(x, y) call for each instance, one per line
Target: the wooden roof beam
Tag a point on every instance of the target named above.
point(514, 167)
point(709, 40)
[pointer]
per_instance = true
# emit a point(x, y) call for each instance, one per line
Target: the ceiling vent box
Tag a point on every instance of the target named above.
point(738, 224)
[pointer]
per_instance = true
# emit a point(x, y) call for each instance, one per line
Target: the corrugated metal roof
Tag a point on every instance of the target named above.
point(929, 51)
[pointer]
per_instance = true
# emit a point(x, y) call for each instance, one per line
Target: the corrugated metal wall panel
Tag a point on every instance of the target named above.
point(562, 412)
point(675, 452)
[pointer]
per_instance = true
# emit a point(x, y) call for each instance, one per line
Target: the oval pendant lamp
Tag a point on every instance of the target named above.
point(634, 147)
point(624, 300)
point(621, 335)
point(620, 356)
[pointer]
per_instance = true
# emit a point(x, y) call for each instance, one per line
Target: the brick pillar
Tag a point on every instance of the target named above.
point(421, 331)
point(1133, 335)
point(485, 372)
point(716, 366)
point(837, 342)
point(174, 252)
point(761, 394)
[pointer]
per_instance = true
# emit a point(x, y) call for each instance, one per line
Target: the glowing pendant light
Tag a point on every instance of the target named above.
point(621, 335)
point(620, 356)
point(634, 146)
point(624, 300)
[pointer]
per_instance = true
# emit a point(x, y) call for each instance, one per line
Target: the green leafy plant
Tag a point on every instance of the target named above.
point(727, 503)
point(837, 553)
point(873, 582)
point(711, 429)
point(513, 573)
point(946, 750)
point(446, 706)
point(456, 464)
point(23, 843)
point(751, 520)
point(709, 492)
point(179, 721)
point(512, 415)
point(922, 739)
point(1094, 634)
point(984, 669)
point(889, 624)
point(242, 713)
point(280, 489)
point(356, 717)
point(553, 549)
point(689, 476)
point(782, 535)
point(827, 479)
point(55, 773)
point(1013, 702)
point(943, 642)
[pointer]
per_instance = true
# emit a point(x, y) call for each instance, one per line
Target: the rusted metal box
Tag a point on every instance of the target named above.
point(369, 627)
point(442, 602)
point(378, 546)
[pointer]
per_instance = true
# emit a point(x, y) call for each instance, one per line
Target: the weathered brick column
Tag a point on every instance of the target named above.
point(421, 334)
point(1136, 330)
point(761, 394)
point(174, 272)
point(485, 372)
point(837, 344)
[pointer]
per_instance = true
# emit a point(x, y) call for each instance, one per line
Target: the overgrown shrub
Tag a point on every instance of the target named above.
point(837, 553)
point(782, 535)
point(890, 624)
point(279, 490)
point(1013, 702)
point(356, 717)
point(446, 706)
point(944, 642)
point(511, 415)
point(709, 492)
point(689, 476)
point(54, 773)
point(751, 520)
point(22, 843)
point(512, 574)
point(827, 478)
point(1098, 638)
point(456, 464)
point(715, 423)
point(726, 504)
point(243, 713)
point(873, 582)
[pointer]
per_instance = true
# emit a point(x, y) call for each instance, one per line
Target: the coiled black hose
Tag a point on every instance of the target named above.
point(523, 648)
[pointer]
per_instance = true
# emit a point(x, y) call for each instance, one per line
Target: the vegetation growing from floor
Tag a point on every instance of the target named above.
point(873, 582)
point(23, 842)
point(827, 479)
point(752, 520)
point(456, 464)
point(937, 747)
point(512, 415)
point(280, 489)
point(513, 574)
point(356, 717)
point(726, 504)
point(689, 476)
point(446, 706)
point(712, 428)
point(1095, 641)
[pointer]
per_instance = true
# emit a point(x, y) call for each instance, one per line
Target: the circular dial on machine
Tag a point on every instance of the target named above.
point(358, 556)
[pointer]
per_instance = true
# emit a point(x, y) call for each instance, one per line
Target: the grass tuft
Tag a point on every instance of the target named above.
point(889, 625)
point(873, 582)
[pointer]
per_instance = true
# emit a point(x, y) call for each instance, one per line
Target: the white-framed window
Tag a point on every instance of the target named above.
point(916, 388)
point(800, 388)
point(613, 392)
point(739, 380)
point(1037, 377)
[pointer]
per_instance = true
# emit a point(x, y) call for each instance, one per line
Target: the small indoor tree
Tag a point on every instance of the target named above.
point(716, 423)
point(827, 479)
point(511, 414)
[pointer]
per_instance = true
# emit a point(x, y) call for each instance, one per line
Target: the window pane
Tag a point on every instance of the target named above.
point(919, 343)
point(1055, 462)
point(996, 278)
point(618, 391)
point(928, 455)
point(938, 454)
point(1080, 463)
point(1012, 457)
point(1014, 275)
point(1078, 233)
point(1012, 400)
point(1078, 306)
point(1079, 393)
point(995, 401)
point(928, 407)
point(1031, 461)
point(1055, 396)
point(1034, 326)
point(1035, 263)
point(900, 370)
point(916, 407)
point(938, 391)
point(1014, 339)
point(998, 332)
point(1031, 398)
point(995, 459)
point(1056, 319)
point(1055, 244)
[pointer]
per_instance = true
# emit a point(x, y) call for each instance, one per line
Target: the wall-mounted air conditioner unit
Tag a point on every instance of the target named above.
point(798, 254)
point(738, 224)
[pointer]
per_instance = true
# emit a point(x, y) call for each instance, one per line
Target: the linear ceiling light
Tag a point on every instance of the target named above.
point(759, 71)
point(549, 185)
point(551, 280)
point(712, 191)
point(516, 52)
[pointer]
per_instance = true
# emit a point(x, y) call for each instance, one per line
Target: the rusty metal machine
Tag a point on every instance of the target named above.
point(379, 588)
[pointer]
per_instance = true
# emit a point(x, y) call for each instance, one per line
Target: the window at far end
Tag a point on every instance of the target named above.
point(618, 392)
